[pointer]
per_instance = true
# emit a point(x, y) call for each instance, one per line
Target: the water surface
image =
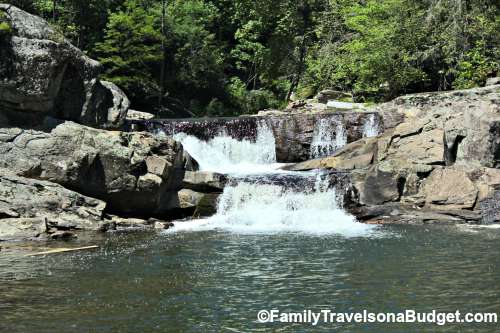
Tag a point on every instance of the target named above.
point(216, 281)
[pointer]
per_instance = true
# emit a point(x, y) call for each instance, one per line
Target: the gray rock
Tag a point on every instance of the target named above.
point(135, 173)
point(493, 81)
point(22, 198)
point(449, 188)
point(203, 181)
point(22, 228)
point(42, 74)
point(327, 95)
point(139, 115)
point(106, 106)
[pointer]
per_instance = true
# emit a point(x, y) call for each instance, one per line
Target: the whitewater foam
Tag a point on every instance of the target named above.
point(224, 154)
point(324, 142)
point(371, 127)
point(263, 200)
point(252, 208)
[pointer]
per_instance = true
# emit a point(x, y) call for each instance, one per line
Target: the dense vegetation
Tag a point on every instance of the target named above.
point(223, 57)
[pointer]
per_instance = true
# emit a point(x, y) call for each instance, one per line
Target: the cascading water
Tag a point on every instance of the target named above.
point(225, 154)
point(254, 208)
point(324, 143)
point(371, 127)
point(260, 199)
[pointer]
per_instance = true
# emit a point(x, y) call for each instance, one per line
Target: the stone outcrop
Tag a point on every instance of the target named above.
point(28, 207)
point(42, 74)
point(293, 132)
point(442, 162)
point(135, 173)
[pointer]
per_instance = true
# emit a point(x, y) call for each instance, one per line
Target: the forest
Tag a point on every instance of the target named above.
point(180, 58)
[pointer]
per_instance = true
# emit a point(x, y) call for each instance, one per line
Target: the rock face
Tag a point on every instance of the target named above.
point(28, 206)
point(135, 173)
point(42, 74)
point(441, 163)
point(293, 132)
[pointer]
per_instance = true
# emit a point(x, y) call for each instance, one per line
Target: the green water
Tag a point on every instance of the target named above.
point(217, 282)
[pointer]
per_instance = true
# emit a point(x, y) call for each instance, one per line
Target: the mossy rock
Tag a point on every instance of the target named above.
point(5, 27)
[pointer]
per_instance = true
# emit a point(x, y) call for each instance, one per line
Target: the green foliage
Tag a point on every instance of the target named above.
point(229, 57)
point(131, 51)
point(5, 28)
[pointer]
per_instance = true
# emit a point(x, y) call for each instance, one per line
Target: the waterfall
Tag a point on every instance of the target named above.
point(324, 142)
point(266, 208)
point(261, 199)
point(224, 154)
point(371, 127)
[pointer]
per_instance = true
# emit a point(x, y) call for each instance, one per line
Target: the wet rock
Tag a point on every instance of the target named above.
point(356, 155)
point(163, 225)
point(189, 198)
point(207, 206)
point(63, 235)
point(203, 204)
point(203, 181)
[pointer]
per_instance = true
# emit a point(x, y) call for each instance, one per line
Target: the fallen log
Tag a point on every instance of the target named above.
point(61, 250)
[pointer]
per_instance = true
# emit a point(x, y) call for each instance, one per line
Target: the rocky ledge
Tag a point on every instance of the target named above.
point(64, 164)
point(441, 163)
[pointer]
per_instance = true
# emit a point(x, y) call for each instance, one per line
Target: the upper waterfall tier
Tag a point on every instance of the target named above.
point(298, 137)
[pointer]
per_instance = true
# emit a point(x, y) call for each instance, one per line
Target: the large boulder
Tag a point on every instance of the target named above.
point(449, 188)
point(42, 74)
point(28, 206)
point(135, 173)
point(443, 157)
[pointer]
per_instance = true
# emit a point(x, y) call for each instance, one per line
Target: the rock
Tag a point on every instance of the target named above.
point(63, 235)
point(355, 155)
point(139, 115)
point(296, 104)
point(204, 204)
point(189, 198)
point(207, 206)
point(135, 173)
point(449, 188)
point(106, 106)
point(203, 181)
point(425, 148)
point(326, 95)
point(395, 213)
point(22, 228)
point(379, 186)
point(42, 74)
point(294, 134)
point(492, 81)
point(23, 198)
point(344, 106)
point(490, 209)
point(163, 225)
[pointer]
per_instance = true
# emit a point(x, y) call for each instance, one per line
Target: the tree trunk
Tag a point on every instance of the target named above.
point(164, 52)
point(54, 6)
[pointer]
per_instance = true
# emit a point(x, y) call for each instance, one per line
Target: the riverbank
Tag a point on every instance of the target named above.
point(67, 164)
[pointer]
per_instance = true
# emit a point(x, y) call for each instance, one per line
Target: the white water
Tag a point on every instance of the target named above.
point(324, 143)
point(248, 208)
point(257, 205)
point(371, 127)
point(223, 154)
